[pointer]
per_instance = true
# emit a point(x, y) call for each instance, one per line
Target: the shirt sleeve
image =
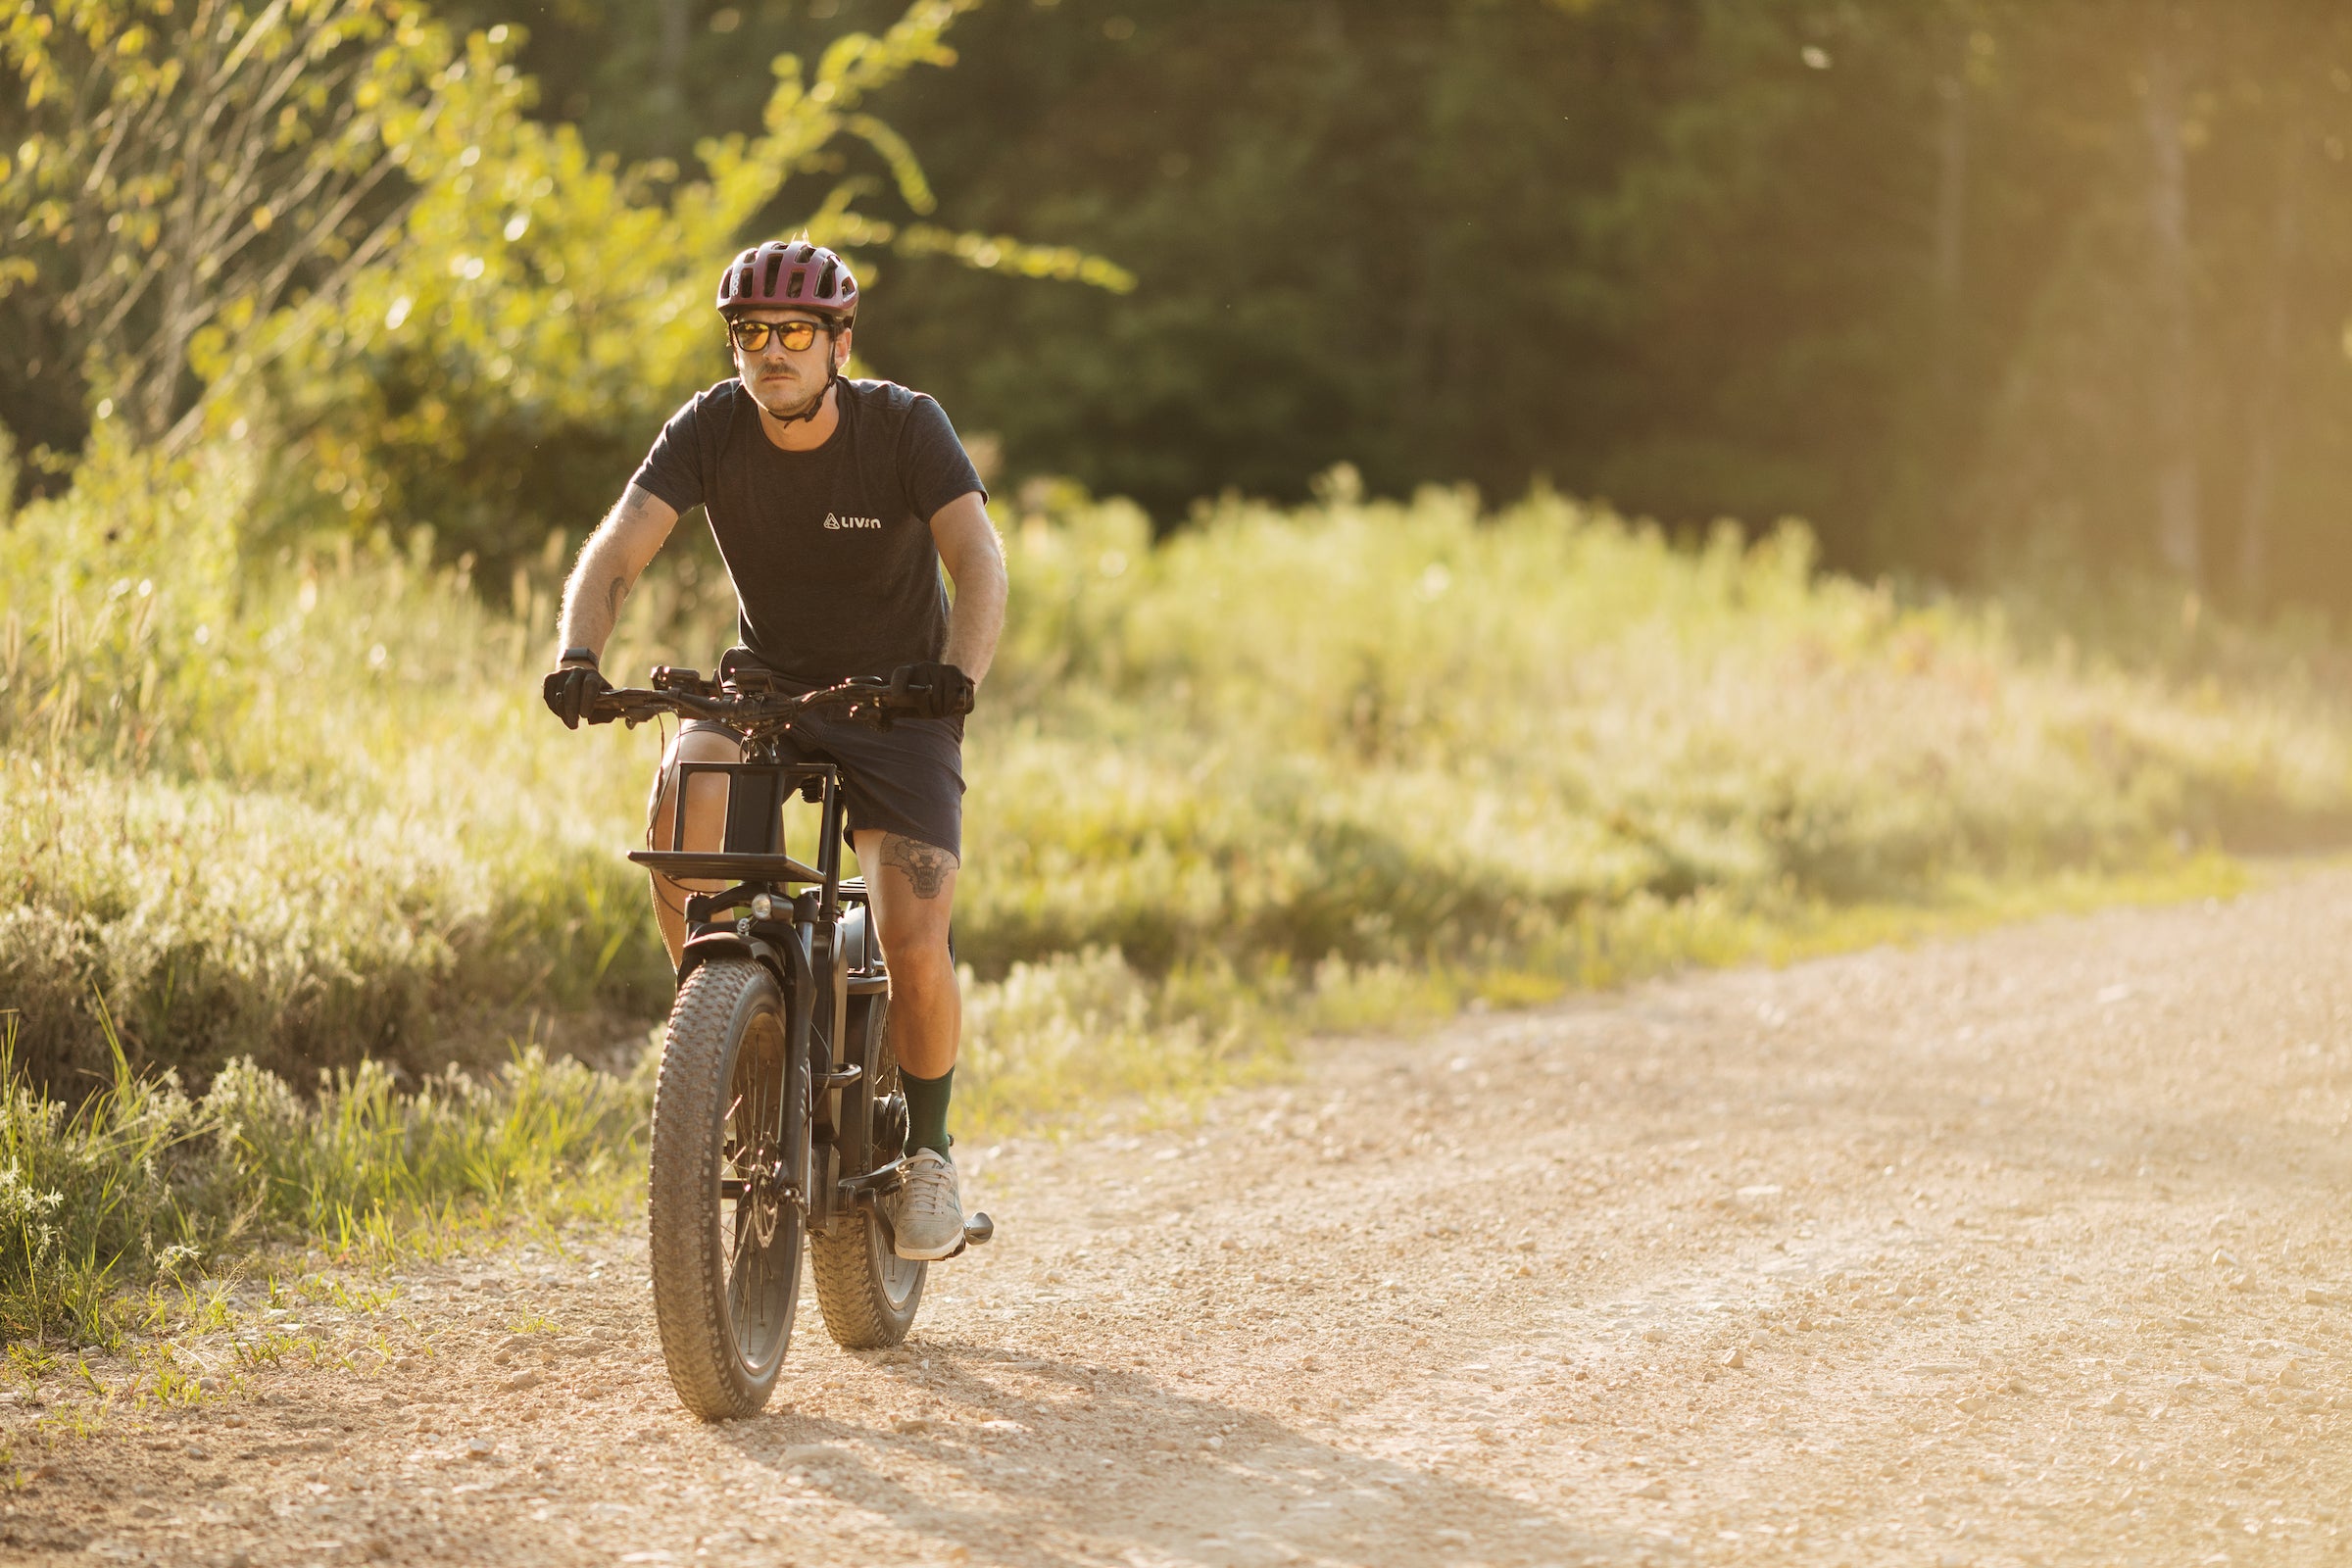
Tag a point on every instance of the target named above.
point(937, 468)
point(673, 470)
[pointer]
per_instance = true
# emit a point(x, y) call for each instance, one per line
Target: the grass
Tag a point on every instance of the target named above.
point(138, 1185)
point(296, 830)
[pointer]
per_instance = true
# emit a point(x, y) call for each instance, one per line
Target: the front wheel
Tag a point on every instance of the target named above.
point(725, 1240)
point(869, 1292)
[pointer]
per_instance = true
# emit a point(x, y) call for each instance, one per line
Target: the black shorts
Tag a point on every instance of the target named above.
point(908, 780)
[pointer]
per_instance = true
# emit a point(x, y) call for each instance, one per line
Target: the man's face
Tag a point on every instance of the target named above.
point(785, 382)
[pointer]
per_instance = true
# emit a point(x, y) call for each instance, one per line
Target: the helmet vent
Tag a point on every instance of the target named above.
point(775, 264)
point(824, 282)
point(792, 290)
point(807, 252)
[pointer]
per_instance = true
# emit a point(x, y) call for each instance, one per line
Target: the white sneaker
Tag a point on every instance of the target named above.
point(927, 1212)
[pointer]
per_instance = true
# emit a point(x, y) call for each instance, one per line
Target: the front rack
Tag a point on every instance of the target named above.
point(752, 839)
point(724, 866)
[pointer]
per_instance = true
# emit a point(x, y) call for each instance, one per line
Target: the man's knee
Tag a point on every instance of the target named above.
point(921, 955)
point(915, 944)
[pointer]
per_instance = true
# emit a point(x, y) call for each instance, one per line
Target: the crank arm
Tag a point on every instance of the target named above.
point(874, 1183)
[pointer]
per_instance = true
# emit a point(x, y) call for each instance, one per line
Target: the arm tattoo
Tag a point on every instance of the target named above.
point(613, 592)
point(926, 867)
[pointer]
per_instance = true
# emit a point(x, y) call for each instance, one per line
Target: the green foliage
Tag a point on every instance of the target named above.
point(1409, 734)
point(1888, 266)
point(417, 302)
point(302, 833)
point(1273, 768)
point(546, 308)
point(138, 1181)
point(185, 169)
point(94, 655)
point(91, 1195)
point(307, 885)
point(338, 1163)
point(1893, 268)
point(219, 922)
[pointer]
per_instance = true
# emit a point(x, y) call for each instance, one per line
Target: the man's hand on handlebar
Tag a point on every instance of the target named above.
point(931, 689)
point(572, 692)
point(914, 691)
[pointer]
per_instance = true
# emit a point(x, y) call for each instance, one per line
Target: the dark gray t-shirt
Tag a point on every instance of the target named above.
point(830, 550)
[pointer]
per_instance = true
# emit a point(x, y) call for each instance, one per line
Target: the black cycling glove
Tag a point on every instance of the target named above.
point(571, 691)
point(937, 691)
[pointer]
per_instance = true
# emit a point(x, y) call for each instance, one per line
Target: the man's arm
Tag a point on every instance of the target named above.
point(609, 567)
point(975, 562)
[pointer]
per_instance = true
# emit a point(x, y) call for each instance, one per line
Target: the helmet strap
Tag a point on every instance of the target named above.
point(817, 404)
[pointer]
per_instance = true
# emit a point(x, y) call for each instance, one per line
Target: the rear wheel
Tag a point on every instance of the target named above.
point(867, 1292)
point(725, 1240)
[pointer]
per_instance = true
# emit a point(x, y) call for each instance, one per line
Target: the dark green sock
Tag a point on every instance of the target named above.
point(927, 1110)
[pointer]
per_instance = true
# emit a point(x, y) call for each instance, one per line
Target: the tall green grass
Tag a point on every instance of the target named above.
point(1421, 734)
point(306, 809)
point(1289, 770)
point(136, 1179)
point(93, 1195)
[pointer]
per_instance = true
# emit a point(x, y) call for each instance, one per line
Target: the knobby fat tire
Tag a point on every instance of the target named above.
point(684, 1213)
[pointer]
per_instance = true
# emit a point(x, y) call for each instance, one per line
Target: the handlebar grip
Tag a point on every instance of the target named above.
point(675, 691)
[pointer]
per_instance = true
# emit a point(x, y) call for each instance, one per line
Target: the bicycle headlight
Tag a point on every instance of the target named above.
point(763, 905)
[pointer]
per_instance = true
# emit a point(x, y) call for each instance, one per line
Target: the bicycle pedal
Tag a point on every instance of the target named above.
point(977, 1230)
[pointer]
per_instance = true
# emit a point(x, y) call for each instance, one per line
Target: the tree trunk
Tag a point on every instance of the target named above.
point(669, 61)
point(2265, 403)
point(1951, 210)
point(2174, 392)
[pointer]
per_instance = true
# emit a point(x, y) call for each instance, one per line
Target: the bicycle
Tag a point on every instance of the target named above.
point(776, 1113)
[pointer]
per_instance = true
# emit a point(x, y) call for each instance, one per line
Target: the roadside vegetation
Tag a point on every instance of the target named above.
point(300, 856)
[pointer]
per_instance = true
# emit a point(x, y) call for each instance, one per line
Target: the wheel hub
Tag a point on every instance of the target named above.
point(763, 1191)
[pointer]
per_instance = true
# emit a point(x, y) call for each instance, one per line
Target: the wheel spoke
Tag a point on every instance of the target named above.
point(750, 1299)
point(746, 1227)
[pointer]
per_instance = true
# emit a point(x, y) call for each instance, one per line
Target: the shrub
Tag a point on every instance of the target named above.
point(309, 811)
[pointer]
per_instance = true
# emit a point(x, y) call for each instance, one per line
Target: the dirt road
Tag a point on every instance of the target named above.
point(2030, 1248)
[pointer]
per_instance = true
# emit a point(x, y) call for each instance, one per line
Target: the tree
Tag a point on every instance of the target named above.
point(185, 165)
point(333, 219)
point(545, 307)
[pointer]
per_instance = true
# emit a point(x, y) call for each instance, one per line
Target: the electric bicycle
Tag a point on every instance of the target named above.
point(778, 1122)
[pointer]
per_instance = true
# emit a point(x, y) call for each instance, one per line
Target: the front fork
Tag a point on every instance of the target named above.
point(784, 951)
point(821, 1055)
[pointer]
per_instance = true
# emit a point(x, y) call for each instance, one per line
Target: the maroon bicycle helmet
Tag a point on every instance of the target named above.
point(790, 273)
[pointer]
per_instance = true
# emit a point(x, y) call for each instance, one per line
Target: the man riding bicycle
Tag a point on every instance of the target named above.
point(835, 504)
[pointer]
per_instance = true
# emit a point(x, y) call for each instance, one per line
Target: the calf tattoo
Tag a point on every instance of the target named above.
point(926, 866)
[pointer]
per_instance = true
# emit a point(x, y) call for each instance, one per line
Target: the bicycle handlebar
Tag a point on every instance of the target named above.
point(869, 698)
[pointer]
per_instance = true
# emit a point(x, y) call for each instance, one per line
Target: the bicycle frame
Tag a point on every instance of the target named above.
point(818, 943)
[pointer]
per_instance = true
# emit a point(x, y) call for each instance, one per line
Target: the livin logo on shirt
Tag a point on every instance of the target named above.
point(832, 521)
